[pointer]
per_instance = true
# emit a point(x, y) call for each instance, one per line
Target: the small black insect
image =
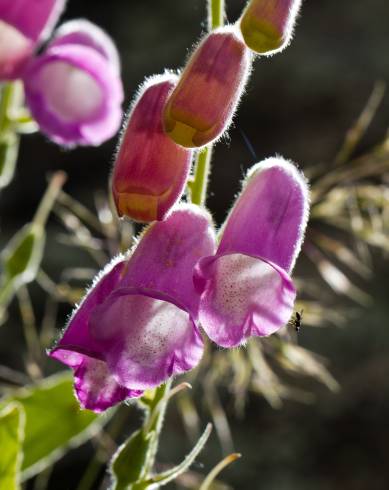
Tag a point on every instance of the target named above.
point(295, 322)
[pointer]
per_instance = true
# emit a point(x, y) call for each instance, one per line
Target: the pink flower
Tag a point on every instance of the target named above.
point(151, 170)
point(245, 287)
point(138, 324)
point(73, 89)
point(267, 25)
point(202, 105)
point(23, 24)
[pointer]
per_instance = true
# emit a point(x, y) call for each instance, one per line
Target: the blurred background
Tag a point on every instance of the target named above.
point(299, 104)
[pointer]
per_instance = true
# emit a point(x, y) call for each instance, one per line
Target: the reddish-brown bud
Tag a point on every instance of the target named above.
point(150, 170)
point(267, 25)
point(202, 105)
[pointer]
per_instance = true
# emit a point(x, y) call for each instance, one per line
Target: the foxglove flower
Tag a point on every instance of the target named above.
point(151, 169)
point(202, 105)
point(137, 325)
point(246, 289)
point(74, 89)
point(23, 24)
point(267, 25)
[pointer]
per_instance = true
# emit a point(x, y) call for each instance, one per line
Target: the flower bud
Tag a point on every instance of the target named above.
point(23, 23)
point(202, 105)
point(151, 169)
point(74, 90)
point(267, 25)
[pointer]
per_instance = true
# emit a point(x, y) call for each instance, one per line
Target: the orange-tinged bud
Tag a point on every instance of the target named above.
point(202, 105)
point(151, 170)
point(267, 25)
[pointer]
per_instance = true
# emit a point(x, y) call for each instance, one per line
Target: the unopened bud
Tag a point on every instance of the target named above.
point(151, 169)
point(202, 105)
point(267, 25)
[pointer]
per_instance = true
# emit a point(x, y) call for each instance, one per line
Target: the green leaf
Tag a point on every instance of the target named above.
point(11, 438)
point(9, 146)
point(129, 462)
point(54, 422)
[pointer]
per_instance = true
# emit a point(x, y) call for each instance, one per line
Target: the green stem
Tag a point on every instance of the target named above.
point(198, 187)
point(200, 181)
point(154, 421)
point(215, 14)
point(5, 105)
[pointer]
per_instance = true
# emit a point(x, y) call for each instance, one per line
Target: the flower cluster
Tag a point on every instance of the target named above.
point(144, 317)
point(73, 88)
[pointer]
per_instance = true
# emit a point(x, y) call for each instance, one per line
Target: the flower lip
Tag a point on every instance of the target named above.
point(61, 348)
point(145, 337)
point(241, 296)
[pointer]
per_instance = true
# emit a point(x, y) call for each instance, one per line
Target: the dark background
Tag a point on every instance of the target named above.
point(298, 104)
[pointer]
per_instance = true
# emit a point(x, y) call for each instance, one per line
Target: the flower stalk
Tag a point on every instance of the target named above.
point(198, 186)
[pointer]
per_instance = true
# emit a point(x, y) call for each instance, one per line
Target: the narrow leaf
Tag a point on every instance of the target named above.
point(217, 469)
point(168, 476)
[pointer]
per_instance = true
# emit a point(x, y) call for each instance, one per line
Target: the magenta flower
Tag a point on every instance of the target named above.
point(151, 170)
point(202, 105)
point(23, 24)
point(73, 89)
point(137, 326)
point(267, 25)
point(245, 288)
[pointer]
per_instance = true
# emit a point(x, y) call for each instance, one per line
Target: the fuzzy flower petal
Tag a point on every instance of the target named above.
point(76, 337)
point(74, 94)
point(242, 296)
point(22, 24)
point(85, 33)
point(245, 288)
point(137, 326)
point(147, 328)
point(151, 169)
point(95, 386)
point(164, 258)
point(145, 339)
point(202, 105)
point(270, 217)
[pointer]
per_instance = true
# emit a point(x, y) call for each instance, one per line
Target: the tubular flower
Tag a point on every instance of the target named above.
point(150, 170)
point(137, 326)
point(245, 288)
point(74, 89)
point(20, 31)
point(202, 105)
point(267, 25)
